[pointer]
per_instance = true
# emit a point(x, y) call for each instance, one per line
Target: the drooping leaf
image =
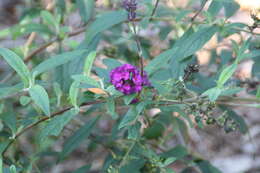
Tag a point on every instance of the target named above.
point(41, 98)
point(73, 93)
point(226, 74)
point(17, 64)
point(83, 169)
point(55, 125)
point(80, 135)
point(89, 62)
point(56, 61)
point(86, 9)
point(206, 167)
point(104, 22)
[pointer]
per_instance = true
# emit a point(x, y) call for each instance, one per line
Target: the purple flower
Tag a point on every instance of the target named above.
point(128, 80)
point(130, 6)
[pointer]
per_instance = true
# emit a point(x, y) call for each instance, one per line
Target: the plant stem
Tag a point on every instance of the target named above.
point(140, 52)
point(154, 9)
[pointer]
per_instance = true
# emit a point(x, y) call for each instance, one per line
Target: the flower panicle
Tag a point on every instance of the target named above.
point(128, 79)
point(131, 7)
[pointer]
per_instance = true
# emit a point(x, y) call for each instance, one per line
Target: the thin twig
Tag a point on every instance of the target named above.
point(45, 119)
point(140, 52)
point(198, 12)
point(154, 9)
point(40, 49)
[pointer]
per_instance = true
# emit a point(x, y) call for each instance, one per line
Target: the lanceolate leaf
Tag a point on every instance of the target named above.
point(79, 136)
point(187, 45)
point(89, 62)
point(17, 64)
point(40, 97)
point(226, 74)
point(55, 125)
point(56, 61)
point(73, 93)
point(86, 9)
point(104, 22)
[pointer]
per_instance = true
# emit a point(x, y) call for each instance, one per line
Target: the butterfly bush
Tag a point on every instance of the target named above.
point(128, 79)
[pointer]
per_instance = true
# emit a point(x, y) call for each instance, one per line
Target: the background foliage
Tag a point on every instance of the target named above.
point(57, 101)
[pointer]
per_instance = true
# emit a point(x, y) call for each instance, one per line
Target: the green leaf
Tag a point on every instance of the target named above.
point(226, 74)
point(17, 64)
point(83, 169)
point(56, 61)
point(80, 135)
point(129, 117)
point(129, 98)
point(55, 125)
point(258, 93)
point(178, 152)
point(36, 27)
point(41, 98)
point(213, 93)
point(215, 7)
point(230, 8)
point(111, 108)
point(206, 167)
point(134, 131)
point(89, 63)
point(58, 92)
point(85, 79)
point(6, 91)
point(187, 45)
point(73, 93)
point(49, 19)
point(86, 9)
point(24, 100)
point(104, 22)
point(1, 165)
point(13, 169)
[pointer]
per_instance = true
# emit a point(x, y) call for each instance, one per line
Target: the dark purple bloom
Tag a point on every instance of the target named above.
point(130, 6)
point(128, 79)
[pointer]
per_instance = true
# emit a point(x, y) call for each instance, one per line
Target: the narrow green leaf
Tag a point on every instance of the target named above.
point(213, 93)
point(13, 169)
point(226, 74)
point(55, 125)
point(187, 45)
point(49, 19)
point(258, 93)
point(104, 22)
point(206, 167)
point(73, 93)
point(134, 131)
point(111, 108)
point(36, 27)
point(80, 135)
point(86, 9)
point(89, 62)
point(83, 169)
point(56, 61)
point(41, 98)
point(1, 165)
point(17, 64)
point(131, 115)
point(85, 79)
point(58, 92)
point(7, 91)
point(129, 98)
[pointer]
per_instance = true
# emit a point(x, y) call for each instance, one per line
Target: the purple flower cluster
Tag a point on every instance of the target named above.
point(130, 6)
point(128, 79)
